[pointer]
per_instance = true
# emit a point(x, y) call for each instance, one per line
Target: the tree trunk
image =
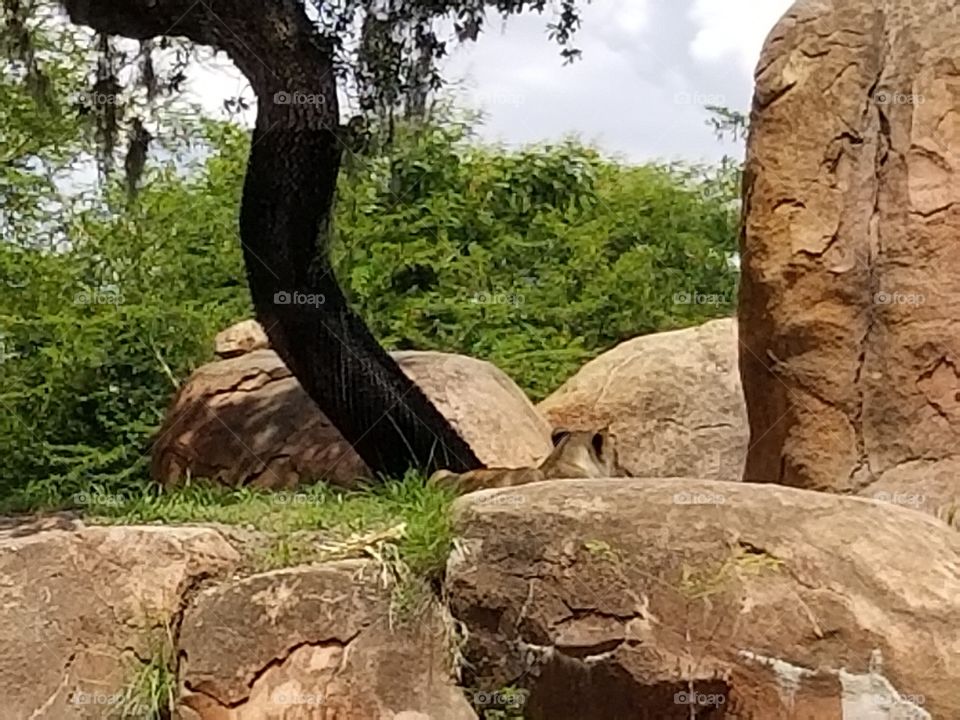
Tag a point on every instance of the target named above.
point(287, 202)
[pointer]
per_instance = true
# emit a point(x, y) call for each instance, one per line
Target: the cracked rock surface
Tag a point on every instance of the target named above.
point(81, 608)
point(314, 642)
point(245, 420)
point(609, 599)
point(851, 269)
point(672, 401)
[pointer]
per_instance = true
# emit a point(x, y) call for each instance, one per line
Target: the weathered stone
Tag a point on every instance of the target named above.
point(929, 486)
point(851, 269)
point(246, 336)
point(247, 421)
point(483, 404)
point(81, 608)
point(672, 401)
point(315, 642)
point(612, 598)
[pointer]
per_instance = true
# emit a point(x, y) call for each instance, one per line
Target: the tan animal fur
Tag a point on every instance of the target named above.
point(576, 454)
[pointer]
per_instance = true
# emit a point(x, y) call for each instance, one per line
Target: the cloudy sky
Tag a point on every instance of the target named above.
point(648, 68)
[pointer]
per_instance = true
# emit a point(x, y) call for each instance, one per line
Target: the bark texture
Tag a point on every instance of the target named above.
point(287, 201)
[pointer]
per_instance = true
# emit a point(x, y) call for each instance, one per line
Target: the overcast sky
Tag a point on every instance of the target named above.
point(648, 68)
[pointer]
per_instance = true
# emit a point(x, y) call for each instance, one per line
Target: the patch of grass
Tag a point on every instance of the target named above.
point(744, 560)
point(423, 512)
point(151, 691)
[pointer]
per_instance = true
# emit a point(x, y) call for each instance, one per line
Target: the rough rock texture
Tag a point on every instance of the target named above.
point(314, 642)
point(81, 608)
point(622, 599)
point(851, 269)
point(928, 486)
point(672, 401)
point(483, 404)
point(246, 336)
point(247, 421)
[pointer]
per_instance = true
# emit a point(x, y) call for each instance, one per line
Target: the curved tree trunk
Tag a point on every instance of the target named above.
point(287, 201)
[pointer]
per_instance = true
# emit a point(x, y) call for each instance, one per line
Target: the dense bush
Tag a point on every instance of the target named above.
point(535, 259)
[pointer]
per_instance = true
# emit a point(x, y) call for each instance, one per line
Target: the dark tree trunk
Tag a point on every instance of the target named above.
point(287, 201)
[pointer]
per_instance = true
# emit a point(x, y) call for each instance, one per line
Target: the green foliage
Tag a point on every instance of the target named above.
point(537, 260)
point(96, 335)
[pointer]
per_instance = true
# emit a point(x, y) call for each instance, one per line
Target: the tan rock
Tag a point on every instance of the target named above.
point(82, 607)
point(315, 642)
point(483, 404)
point(605, 598)
point(672, 401)
point(851, 269)
point(929, 486)
point(247, 421)
point(246, 336)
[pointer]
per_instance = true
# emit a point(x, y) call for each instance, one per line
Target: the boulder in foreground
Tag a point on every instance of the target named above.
point(633, 599)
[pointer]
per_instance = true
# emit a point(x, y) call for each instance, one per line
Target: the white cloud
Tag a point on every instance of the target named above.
point(639, 91)
point(733, 29)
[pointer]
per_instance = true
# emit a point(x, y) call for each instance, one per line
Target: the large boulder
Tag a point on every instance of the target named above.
point(247, 421)
point(82, 609)
point(316, 641)
point(625, 599)
point(851, 269)
point(672, 401)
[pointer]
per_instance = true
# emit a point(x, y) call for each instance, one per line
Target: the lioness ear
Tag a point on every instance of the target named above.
point(558, 436)
point(597, 441)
